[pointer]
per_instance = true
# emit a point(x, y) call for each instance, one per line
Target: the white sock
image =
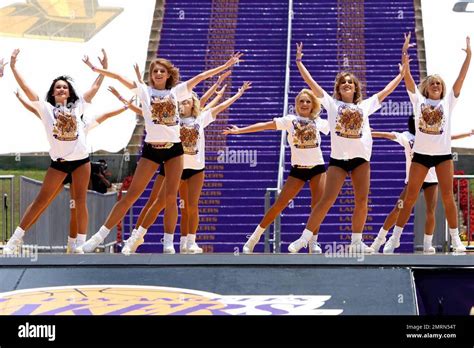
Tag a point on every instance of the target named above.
point(141, 231)
point(427, 241)
point(103, 232)
point(71, 241)
point(81, 239)
point(382, 233)
point(307, 235)
point(397, 232)
point(356, 237)
point(183, 239)
point(314, 239)
point(19, 233)
point(454, 232)
point(191, 239)
point(168, 238)
point(257, 233)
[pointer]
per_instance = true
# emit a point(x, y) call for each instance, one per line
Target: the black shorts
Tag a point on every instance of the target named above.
point(68, 180)
point(161, 155)
point(306, 174)
point(430, 161)
point(428, 184)
point(347, 165)
point(68, 166)
point(187, 173)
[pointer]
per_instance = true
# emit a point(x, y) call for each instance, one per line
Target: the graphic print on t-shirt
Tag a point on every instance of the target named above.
point(189, 138)
point(305, 134)
point(65, 125)
point(432, 119)
point(163, 110)
point(349, 122)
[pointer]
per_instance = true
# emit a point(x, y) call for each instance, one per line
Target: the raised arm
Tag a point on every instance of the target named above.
point(462, 135)
point(2, 66)
point(234, 59)
point(126, 82)
point(395, 82)
point(32, 96)
point(384, 135)
point(110, 114)
point(257, 127)
point(90, 94)
point(317, 90)
point(27, 104)
point(127, 103)
point(465, 67)
point(213, 102)
point(213, 89)
point(138, 73)
point(409, 81)
point(221, 107)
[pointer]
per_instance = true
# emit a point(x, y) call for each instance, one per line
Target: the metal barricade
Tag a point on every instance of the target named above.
point(8, 206)
point(272, 244)
point(462, 224)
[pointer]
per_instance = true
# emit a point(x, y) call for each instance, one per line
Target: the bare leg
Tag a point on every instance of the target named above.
point(73, 227)
point(143, 174)
point(392, 217)
point(153, 197)
point(444, 172)
point(174, 169)
point(184, 201)
point(289, 191)
point(431, 199)
point(80, 182)
point(361, 183)
point(334, 181)
point(195, 184)
point(317, 185)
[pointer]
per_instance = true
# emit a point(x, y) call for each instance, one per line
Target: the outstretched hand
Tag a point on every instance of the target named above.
point(223, 77)
point(407, 44)
point(468, 46)
point(403, 68)
point(116, 93)
point(299, 52)
point(2, 66)
point(87, 61)
point(138, 72)
point(222, 90)
point(234, 59)
point(104, 61)
point(231, 130)
point(246, 85)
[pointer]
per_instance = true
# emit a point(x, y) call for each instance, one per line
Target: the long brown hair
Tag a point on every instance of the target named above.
point(174, 77)
point(340, 78)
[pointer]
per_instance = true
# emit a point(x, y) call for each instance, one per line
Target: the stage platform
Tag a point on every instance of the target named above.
point(266, 283)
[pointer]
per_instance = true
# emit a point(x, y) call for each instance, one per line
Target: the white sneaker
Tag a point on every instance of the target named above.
point(70, 248)
point(13, 246)
point(458, 247)
point(378, 242)
point(183, 247)
point(391, 245)
point(360, 247)
point(194, 249)
point(297, 245)
point(429, 250)
point(315, 248)
point(90, 245)
point(132, 243)
point(168, 249)
point(248, 247)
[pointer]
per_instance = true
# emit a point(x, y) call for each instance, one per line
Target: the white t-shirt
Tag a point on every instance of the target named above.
point(160, 111)
point(407, 140)
point(304, 138)
point(192, 138)
point(66, 129)
point(350, 129)
point(433, 123)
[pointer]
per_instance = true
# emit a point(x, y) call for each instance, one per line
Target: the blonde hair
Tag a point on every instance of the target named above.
point(173, 71)
point(196, 110)
point(316, 104)
point(340, 78)
point(425, 83)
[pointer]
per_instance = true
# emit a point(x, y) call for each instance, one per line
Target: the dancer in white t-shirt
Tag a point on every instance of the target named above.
point(433, 106)
point(192, 123)
point(351, 148)
point(159, 103)
point(429, 187)
point(307, 163)
point(66, 128)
